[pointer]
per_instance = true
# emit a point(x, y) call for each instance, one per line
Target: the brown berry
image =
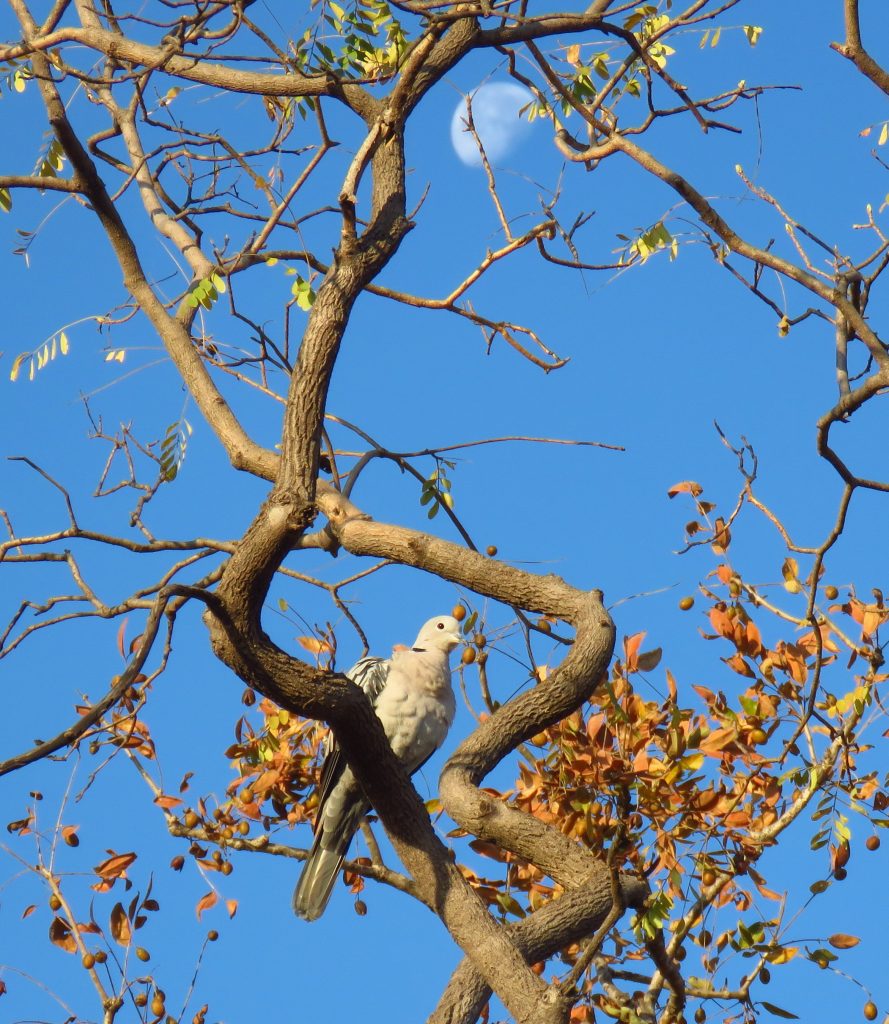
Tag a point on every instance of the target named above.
point(158, 1008)
point(191, 819)
point(143, 954)
point(71, 839)
point(491, 550)
point(700, 1015)
point(870, 1010)
point(468, 655)
point(101, 956)
point(243, 827)
point(458, 612)
point(765, 976)
point(212, 935)
point(88, 961)
point(840, 874)
point(227, 868)
point(360, 908)
point(872, 843)
point(544, 626)
point(686, 602)
point(758, 736)
point(248, 698)
point(54, 902)
point(177, 862)
point(708, 877)
point(479, 640)
point(140, 998)
point(831, 593)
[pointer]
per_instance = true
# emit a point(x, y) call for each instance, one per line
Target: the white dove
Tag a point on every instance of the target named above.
point(412, 696)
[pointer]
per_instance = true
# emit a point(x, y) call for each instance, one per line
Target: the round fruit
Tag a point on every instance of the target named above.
point(686, 602)
point(492, 550)
point(158, 1007)
point(544, 626)
point(468, 655)
point(765, 976)
point(360, 908)
point(479, 640)
point(758, 736)
point(88, 961)
point(870, 1010)
point(140, 998)
point(700, 1015)
point(227, 868)
point(831, 593)
point(177, 862)
point(191, 819)
point(708, 877)
point(212, 935)
point(54, 902)
point(872, 842)
point(143, 954)
point(840, 873)
point(101, 956)
point(680, 954)
point(71, 839)
point(243, 827)
point(246, 795)
point(458, 612)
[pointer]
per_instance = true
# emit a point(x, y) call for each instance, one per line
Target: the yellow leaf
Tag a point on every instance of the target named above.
point(63, 343)
point(715, 40)
point(573, 54)
point(782, 956)
point(17, 365)
point(884, 134)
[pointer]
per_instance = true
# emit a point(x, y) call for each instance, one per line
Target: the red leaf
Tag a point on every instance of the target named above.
point(121, 632)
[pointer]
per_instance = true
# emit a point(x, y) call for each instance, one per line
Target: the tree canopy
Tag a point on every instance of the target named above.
point(260, 273)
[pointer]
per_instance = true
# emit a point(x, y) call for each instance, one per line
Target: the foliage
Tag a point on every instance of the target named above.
point(617, 820)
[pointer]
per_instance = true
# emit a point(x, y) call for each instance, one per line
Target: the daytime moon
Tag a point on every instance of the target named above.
point(495, 112)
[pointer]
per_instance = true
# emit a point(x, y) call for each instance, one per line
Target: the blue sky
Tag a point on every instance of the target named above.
point(656, 355)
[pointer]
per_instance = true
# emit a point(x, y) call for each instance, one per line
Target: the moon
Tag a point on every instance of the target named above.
point(495, 113)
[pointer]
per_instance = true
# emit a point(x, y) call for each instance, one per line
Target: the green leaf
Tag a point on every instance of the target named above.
point(778, 1012)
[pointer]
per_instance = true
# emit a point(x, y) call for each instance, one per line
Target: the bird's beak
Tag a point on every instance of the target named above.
point(455, 641)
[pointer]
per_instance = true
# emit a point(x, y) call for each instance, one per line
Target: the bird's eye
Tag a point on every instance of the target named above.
point(439, 625)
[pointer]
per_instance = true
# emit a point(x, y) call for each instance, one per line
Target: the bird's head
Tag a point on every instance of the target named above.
point(439, 634)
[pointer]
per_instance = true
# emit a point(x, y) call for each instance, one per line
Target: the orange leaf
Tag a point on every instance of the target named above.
point(60, 935)
point(737, 664)
point(120, 926)
point(232, 907)
point(685, 487)
point(631, 650)
point(206, 902)
point(115, 866)
point(841, 941)
point(314, 645)
point(167, 802)
point(28, 911)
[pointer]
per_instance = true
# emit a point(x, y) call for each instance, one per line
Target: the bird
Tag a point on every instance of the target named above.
point(412, 696)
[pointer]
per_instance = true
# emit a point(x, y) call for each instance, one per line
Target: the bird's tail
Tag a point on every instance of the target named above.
point(325, 858)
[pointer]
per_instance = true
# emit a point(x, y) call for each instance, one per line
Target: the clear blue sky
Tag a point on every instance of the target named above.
point(657, 353)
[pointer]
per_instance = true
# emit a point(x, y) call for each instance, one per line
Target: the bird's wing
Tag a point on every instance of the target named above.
point(341, 806)
point(370, 674)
